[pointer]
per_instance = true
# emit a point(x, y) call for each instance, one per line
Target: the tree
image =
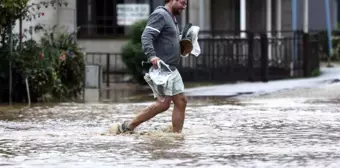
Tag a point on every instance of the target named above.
point(12, 10)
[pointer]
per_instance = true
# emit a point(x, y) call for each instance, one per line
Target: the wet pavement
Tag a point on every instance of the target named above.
point(218, 132)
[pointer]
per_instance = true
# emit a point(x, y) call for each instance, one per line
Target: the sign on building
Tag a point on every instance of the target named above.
point(127, 14)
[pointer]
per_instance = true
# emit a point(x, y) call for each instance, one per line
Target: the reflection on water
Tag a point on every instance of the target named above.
point(125, 95)
point(128, 95)
point(270, 133)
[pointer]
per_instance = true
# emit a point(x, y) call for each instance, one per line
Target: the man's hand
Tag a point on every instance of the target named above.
point(154, 62)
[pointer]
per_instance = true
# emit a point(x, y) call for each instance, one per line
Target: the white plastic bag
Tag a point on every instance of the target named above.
point(160, 75)
point(158, 79)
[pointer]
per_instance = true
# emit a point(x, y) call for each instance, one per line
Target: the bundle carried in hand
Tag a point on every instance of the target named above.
point(189, 41)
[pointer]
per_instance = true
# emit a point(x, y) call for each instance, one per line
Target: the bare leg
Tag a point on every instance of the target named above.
point(150, 112)
point(178, 113)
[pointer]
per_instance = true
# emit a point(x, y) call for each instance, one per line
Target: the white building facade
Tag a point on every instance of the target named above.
point(101, 30)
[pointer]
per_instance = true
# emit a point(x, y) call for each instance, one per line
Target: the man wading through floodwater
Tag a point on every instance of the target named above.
point(161, 41)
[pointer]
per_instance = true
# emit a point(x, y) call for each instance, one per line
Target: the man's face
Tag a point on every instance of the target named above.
point(178, 6)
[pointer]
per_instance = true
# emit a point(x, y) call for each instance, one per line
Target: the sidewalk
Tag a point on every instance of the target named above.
point(327, 77)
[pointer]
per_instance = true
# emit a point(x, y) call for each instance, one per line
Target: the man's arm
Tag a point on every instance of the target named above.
point(152, 30)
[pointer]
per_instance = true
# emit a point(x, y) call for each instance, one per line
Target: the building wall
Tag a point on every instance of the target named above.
point(223, 15)
point(219, 15)
point(102, 45)
point(194, 13)
point(256, 15)
point(64, 16)
point(317, 20)
point(67, 16)
point(114, 45)
point(286, 15)
point(317, 15)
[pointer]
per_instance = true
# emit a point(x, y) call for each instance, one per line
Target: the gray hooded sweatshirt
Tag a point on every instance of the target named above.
point(160, 37)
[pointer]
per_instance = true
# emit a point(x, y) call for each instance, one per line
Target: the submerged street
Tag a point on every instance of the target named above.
point(260, 131)
point(262, 81)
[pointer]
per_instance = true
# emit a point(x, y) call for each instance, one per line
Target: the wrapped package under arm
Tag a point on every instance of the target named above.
point(189, 41)
point(153, 28)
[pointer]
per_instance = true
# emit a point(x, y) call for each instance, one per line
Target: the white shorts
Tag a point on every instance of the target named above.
point(172, 87)
point(175, 84)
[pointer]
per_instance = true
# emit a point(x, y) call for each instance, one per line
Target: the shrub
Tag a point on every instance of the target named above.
point(48, 75)
point(133, 54)
point(66, 62)
point(54, 66)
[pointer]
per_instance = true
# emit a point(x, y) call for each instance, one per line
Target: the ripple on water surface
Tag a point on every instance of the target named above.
point(270, 133)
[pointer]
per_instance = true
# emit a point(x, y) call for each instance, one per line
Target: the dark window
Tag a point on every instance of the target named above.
point(98, 18)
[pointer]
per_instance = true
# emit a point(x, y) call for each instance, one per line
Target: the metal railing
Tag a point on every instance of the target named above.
point(113, 67)
point(228, 57)
point(255, 57)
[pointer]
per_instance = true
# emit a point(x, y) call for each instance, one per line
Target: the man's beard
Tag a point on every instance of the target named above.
point(176, 12)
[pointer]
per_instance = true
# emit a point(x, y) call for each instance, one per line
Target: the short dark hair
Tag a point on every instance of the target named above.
point(166, 1)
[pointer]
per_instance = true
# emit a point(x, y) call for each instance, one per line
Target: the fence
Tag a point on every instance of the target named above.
point(114, 69)
point(227, 58)
point(254, 57)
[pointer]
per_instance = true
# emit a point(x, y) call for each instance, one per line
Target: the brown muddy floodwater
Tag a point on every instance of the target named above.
point(266, 133)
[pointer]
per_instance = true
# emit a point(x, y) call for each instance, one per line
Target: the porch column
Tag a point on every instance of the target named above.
point(294, 27)
point(269, 27)
point(243, 20)
point(202, 13)
point(187, 13)
point(277, 49)
point(329, 31)
point(278, 18)
point(306, 19)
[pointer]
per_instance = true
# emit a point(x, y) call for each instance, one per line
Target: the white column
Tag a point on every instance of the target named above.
point(202, 13)
point(306, 18)
point(269, 16)
point(279, 46)
point(243, 24)
point(279, 18)
point(243, 20)
point(269, 27)
point(207, 19)
point(183, 18)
